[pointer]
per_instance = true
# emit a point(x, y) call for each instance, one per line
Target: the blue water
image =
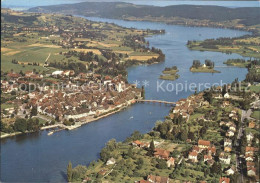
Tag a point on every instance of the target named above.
point(25, 4)
point(42, 158)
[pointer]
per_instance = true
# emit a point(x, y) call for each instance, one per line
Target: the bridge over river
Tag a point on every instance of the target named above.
point(158, 101)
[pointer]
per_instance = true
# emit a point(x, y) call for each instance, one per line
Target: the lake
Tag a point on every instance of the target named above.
point(41, 158)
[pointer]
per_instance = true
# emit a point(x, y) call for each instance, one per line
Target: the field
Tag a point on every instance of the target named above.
point(30, 50)
point(255, 88)
point(248, 47)
point(256, 115)
point(142, 58)
point(95, 51)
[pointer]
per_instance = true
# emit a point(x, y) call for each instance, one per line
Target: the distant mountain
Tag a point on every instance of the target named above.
point(249, 15)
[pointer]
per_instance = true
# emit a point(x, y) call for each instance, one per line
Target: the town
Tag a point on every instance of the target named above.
point(211, 136)
point(67, 101)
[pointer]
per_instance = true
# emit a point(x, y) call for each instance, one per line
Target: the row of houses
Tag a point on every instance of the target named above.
point(203, 145)
point(185, 107)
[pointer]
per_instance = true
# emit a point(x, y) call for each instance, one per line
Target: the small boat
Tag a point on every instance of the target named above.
point(131, 117)
point(50, 133)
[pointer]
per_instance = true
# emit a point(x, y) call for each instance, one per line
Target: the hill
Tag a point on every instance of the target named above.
point(247, 16)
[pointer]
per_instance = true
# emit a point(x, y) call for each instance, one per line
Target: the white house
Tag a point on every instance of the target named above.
point(170, 162)
point(231, 171)
point(227, 142)
point(249, 137)
point(56, 73)
point(251, 172)
point(225, 158)
point(226, 95)
point(193, 156)
point(111, 161)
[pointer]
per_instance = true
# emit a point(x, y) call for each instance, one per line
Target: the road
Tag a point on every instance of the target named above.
point(244, 115)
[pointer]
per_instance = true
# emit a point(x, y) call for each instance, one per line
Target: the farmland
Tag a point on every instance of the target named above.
point(43, 42)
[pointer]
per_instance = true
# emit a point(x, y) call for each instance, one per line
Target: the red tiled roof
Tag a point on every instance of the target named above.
point(193, 153)
point(204, 142)
point(157, 179)
point(224, 180)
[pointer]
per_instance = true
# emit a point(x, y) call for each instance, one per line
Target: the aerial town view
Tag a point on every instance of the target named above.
point(162, 91)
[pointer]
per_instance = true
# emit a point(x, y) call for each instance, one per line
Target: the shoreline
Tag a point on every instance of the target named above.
point(78, 124)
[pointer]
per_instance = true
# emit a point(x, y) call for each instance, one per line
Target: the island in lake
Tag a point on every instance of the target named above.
point(170, 73)
point(207, 67)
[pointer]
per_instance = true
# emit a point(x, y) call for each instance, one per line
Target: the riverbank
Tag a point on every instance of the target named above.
point(83, 121)
point(7, 135)
point(93, 118)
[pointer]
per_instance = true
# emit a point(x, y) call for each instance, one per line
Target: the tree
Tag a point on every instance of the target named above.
point(143, 92)
point(216, 168)
point(191, 135)
point(140, 163)
point(69, 172)
point(130, 152)
point(161, 164)
point(2, 126)
point(184, 135)
point(20, 124)
point(208, 96)
point(78, 173)
point(151, 148)
point(34, 111)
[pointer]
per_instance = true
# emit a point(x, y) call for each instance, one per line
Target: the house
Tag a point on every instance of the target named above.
point(86, 179)
point(193, 156)
point(230, 123)
point(224, 180)
point(207, 157)
point(28, 73)
point(249, 158)
point(170, 162)
point(222, 123)
point(226, 95)
point(232, 128)
point(225, 158)
point(251, 172)
point(227, 142)
point(249, 150)
point(203, 144)
point(231, 170)
point(230, 133)
point(196, 149)
point(210, 162)
point(140, 144)
point(250, 164)
point(56, 73)
point(212, 150)
point(249, 137)
point(143, 181)
point(157, 179)
point(228, 148)
point(82, 75)
point(111, 161)
point(136, 143)
point(102, 172)
point(225, 103)
point(251, 124)
point(68, 73)
point(161, 154)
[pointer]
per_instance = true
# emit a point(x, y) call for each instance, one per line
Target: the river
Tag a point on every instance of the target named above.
point(41, 158)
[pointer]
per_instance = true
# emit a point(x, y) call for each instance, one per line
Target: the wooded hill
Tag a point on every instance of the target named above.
point(248, 16)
